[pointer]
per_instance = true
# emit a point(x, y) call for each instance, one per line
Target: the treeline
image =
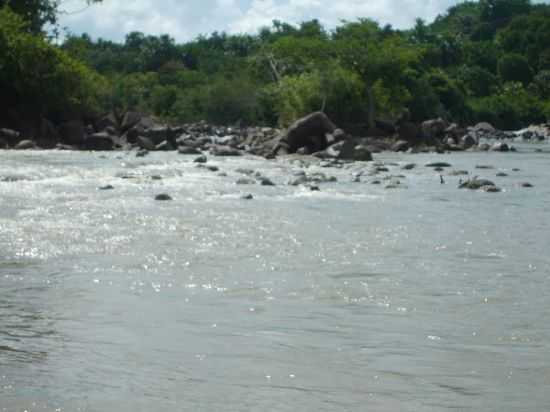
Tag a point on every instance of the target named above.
point(480, 61)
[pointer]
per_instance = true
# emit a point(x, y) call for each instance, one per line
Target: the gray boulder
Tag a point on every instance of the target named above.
point(10, 136)
point(25, 145)
point(500, 147)
point(129, 120)
point(145, 143)
point(400, 146)
point(315, 131)
point(434, 129)
point(468, 141)
point(73, 132)
point(99, 141)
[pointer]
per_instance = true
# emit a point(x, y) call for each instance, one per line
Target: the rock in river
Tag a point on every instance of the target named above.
point(163, 197)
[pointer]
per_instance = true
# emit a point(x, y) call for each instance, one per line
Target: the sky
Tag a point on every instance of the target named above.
point(186, 19)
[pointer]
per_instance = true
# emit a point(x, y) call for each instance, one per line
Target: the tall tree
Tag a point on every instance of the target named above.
point(38, 13)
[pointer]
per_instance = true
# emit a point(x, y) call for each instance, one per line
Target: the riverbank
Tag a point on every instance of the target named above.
point(312, 135)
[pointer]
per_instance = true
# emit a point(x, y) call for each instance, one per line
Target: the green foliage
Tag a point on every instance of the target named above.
point(514, 68)
point(511, 108)
point(498, 11)
point(527, 35)
point(337, 90)
point(37, 13)
point(463, 66)
point(39, 76)
point(477, 81)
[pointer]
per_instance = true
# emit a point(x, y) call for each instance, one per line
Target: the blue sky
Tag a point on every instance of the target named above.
point(186, 19)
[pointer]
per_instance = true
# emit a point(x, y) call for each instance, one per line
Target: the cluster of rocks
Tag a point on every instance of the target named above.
point(440, 136)
point(314, 135)
point(144, 133)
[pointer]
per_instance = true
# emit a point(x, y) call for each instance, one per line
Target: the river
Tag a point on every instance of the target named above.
point(351, 298)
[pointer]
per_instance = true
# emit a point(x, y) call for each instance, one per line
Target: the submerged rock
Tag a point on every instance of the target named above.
point(245, 181)
point(106, 187)
point(163, 197)
point(247, 196)
point(200, 159)
point(438, 164)
point(475, 184)
point(265, 181)
point(458, 173)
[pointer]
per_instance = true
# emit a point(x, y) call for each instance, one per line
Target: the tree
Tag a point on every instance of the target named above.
point(38, 13)
point(515, 68)
point(499, 11)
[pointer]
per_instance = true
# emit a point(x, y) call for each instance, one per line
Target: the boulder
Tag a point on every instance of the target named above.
point(145, 143)
point(73, 132)
point(408, 132)
point(434, 128)
point(200, 159)
point(99, 141)
point(484, 128)
point(107, 121)
point(156, 134)
point(10, 136)
point(361, 153)
point(129, 120)
point(468, 141)
point(24, 145)
point(314, 131)
point(48, 135)
point(500, 147)
point(400, 146)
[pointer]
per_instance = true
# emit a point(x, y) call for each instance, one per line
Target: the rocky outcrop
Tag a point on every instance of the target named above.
point(73, 132)
point(99, 141)
point(314, 132)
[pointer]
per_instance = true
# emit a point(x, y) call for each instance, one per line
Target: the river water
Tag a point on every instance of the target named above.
point(353, 298)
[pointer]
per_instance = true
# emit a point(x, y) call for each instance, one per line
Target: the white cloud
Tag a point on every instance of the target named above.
point(184, 20)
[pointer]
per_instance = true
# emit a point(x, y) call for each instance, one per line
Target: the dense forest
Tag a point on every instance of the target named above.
point(480, 61)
